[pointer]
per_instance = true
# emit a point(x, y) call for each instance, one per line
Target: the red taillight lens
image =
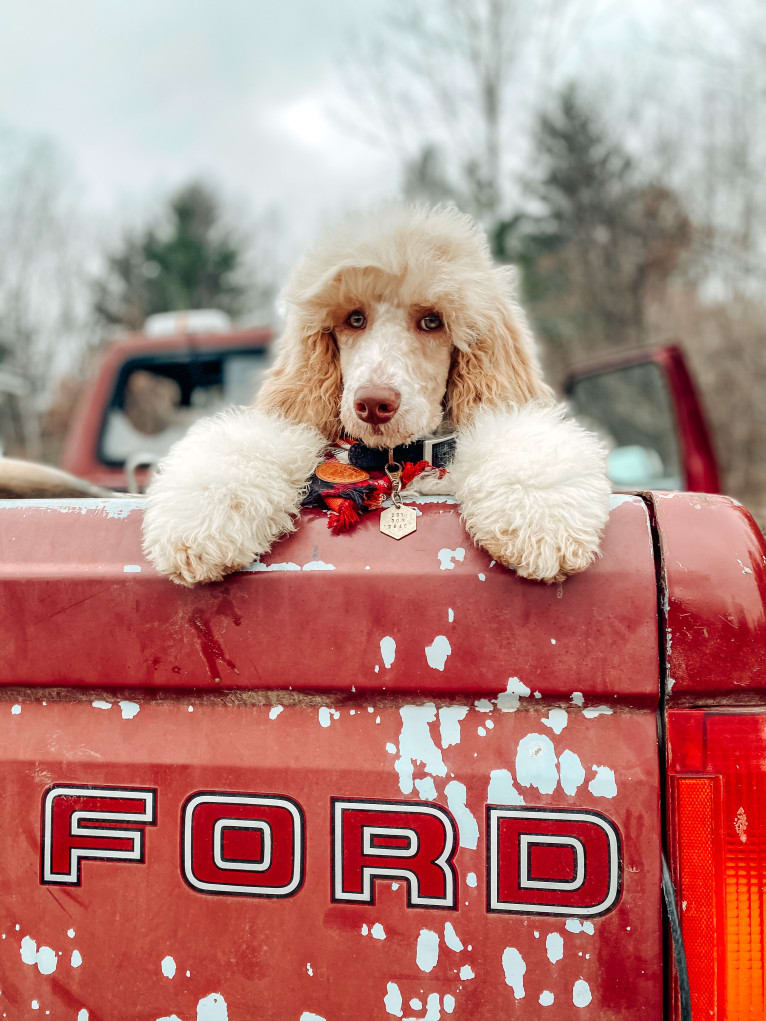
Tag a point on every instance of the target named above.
point(717, 772)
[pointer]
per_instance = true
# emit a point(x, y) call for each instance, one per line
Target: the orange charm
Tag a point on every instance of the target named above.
point(337, 473)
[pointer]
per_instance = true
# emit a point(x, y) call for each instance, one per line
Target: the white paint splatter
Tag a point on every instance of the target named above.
point(309, 969)
point(448, 556)
point(466, 973)
point(597, 710)
point(603, 784)
point(514, 968)
point(426, 789)
point(577, 698)
point(284, 566)
point(554, 946)
point(168, 967)
point(318, 565)
point(129, 709)
point(501, 790)
point(308, 1016)
point(82, 1015)
point(15, 709)
point(489, 725)
point(28, 950)
point(378, 932)
point(388, 651)
point(471, 879)
point(451, 938)
point(324, 716)
point(390, 748)
point(131, 569)
point(392, 1001)
point(482, 576)
point(536, 763)
point(365, 928)
point(428, 950)
point(449, 723)
point(449, 1003)
point(575, 925)
point(45, 958)
point(100, 704)
point(466, 824)
point(432, 1008)
point(572, 772)
point(212, 1008)
point(417, 745)
point(556, 720)
point(275, 711)
point(546, 998)
point(483, 705)
point(508, 700)
point(76, 959)
point(416, 1004)
point(438, 651)
point(450, 615)
point(35, 1005)
point(70, 933)
point(581, 995)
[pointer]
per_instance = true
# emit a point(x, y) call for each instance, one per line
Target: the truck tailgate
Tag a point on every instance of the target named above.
point(363, 779)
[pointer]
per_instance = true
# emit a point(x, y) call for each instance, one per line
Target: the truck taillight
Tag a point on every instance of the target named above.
point(717, 804)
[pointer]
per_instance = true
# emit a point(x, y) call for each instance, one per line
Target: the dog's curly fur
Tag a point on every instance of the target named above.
point(531, 482)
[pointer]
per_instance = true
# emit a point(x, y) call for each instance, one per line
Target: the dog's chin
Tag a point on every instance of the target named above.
point(383, 436)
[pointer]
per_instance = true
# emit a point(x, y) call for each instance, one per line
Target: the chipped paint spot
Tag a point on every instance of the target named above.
point(501, 790)
point(131, 569)
point(417, 745)
point(597, 710)
point(392, 1001)
point(536, 763)
point(514, 968)
point(428, 950)
point(426, 789)
point(556, 720)
point(603, 784)
point(168, 967)
point(554, 946)
point(82, 1015)
point(45, 958)
point(451, 938)
point(388, 651)
point(447, 558)
point(212, 1008)
point(581, 995)
point(309, 969)
point(438, 651)
point(15, 709)
point(449, 1003)
point(129, 709)
point(35, 1005)
point(482, 576)
point(76, 959)
point(390, 748)
point(378, 932)
point(450, 615)
point(470, 879)
point(546, 998)
point(324, 716)
point(257, 566)
point(577, 698)
point(449, 723)
point(416, 1004)
point(489, 725)
point(308, 1016)
point(572, 772)
point(481, 732)
point(466, 824)
point(575, 925)
point(483, 705)
point(318, 565)
point(100, 704)
point(70, 933)
point(466, 973)
point(275, 711)
point(508, 700)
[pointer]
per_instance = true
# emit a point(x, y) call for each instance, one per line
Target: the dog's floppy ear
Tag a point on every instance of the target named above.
point(498, 367)
point(304, 384)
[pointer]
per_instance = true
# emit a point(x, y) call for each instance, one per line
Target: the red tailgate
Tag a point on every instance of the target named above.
point(367, 780)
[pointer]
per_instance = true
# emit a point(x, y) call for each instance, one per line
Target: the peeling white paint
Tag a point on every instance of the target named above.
point(100, 704)
point(450, 615)
point(275, 711)
point(556, 720)
point(45, 958)
point(489, 724)
point(426, 789)
point(501, 790)
point(257, 566)
point(387, 651)
point(575, 925)
point(390, 748)
point(466, 973)
point(76, 959)
point(597, 710)
point(481, 732)
point(508, 700)
point(427, 953)
point(448, 556)
point(129, 709)
point(483, 705)
point(581, 995)
point(377, 931)
point(168, 967)
point(392, 1001)
point(603, 785)
point(212, 1008)
point(28, 950)
point(536, 763)
point(451, 938)
point(449, 1003)
point(417, 745)
point(577, 698)
point(572, 772)
point(514, 968)
point(318, 565)
point(309, 969)
point(15, 709)
point(482, 576)
point(438, 651)
point(70, 933)
point(554, 946)
point(416, 1004)
point(131, 569)
point(324, 716)
point(449, 723)
point(308, 1016)
point(82, 1015)
point(471, 879)
point(546, 998)
point(467, 826)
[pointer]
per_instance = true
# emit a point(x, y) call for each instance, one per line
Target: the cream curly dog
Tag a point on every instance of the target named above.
point(398, 324)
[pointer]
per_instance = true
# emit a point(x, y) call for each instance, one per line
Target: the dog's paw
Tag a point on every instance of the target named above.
point(196, 557)
point(549, 558)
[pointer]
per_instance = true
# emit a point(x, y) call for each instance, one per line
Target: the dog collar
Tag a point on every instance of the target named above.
point(438, 451)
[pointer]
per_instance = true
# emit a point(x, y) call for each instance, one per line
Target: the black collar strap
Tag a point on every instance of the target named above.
point(438, 452)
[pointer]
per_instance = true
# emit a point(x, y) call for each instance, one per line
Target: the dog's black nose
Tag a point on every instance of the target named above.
point(376, 405)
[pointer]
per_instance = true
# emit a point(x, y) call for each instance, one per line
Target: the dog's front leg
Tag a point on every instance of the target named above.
point(533, 489)
point(226, 492)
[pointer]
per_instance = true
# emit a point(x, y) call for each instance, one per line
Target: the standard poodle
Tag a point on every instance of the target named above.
point(399, 325)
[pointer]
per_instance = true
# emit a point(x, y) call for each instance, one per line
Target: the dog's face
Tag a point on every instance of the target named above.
point(395, 323)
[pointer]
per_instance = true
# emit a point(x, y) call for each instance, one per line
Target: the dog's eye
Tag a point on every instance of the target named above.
point(357, 320)
point(430, 322)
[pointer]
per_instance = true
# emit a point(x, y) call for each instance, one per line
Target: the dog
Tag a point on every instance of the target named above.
point(398, 325)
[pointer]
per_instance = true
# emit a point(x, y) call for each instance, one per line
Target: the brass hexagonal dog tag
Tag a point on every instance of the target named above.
point(398, 521)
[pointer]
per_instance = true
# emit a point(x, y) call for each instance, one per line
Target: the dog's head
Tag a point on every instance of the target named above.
point(396, 322)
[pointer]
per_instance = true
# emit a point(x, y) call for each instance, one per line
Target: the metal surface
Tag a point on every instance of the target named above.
point(414, 681)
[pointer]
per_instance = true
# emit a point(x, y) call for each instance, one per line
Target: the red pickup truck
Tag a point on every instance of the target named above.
point(375, 780)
